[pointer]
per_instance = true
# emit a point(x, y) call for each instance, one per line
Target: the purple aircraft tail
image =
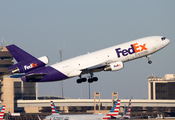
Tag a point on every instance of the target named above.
point(32, 69)
point(20, 56)
point(26, 62)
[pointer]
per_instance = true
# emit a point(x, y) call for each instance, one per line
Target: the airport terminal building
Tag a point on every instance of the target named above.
point(22, 97)
point(13, 89)
point(161, 88)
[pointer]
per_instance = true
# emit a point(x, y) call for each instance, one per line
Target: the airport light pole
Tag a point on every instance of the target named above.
point(61, 51)
point(61, 81)
point(89, 91)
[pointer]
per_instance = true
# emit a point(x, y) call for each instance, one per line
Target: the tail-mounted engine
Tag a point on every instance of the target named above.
point(23, 67)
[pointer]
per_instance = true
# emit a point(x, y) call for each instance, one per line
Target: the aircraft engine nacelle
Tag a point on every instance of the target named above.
point(31, 65)
point(114, 66)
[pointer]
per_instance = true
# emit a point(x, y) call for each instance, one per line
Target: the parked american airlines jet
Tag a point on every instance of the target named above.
point(113, 114)
point(109, 59)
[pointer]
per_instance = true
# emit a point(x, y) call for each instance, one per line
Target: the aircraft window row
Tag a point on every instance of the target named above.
point(163, 38)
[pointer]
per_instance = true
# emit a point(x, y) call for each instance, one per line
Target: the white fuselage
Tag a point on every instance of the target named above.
point(77, 117)
point(123, 52)
point(109, 59)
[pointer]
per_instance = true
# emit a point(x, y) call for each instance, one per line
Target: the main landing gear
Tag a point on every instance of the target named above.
point(94, 79)
point(90, 80)
point(81, 80)
point(148, 57)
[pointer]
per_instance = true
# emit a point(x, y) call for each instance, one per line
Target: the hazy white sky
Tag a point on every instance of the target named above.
point(86, 26)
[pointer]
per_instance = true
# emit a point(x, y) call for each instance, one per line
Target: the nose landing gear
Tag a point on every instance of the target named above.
point(149, 61)
point(148, 57)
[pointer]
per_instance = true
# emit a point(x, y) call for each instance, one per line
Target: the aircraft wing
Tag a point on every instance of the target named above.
point(95, 67)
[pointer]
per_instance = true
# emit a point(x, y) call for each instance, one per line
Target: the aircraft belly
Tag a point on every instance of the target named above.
point(51, 75)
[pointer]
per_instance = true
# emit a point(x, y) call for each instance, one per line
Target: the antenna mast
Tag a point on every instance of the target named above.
point(61, 58)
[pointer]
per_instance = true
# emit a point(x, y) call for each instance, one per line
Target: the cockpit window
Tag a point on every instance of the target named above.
point(163, 38)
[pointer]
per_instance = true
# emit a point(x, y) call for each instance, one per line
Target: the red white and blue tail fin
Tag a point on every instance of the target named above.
point(53, 107)
point(114, 111)
point(128, 109)
point(2, 110)
point(127, 115)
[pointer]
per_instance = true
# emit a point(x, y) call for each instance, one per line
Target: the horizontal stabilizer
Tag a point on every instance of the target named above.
point(33, 77)
point(16, 75)
point(15, 66)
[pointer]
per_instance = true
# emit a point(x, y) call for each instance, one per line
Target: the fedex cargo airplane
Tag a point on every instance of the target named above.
point(113, 114)
point(109, 59)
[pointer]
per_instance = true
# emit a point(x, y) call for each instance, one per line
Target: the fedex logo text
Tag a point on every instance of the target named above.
point(135, 48)
point(117, 65)
point(32, 65)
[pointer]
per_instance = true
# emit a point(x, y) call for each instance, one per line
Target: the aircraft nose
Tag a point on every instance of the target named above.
point(167, 41)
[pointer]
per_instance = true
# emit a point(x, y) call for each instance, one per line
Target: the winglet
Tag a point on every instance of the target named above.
point(114, 111)
point(53, 107)
point(2, 110)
